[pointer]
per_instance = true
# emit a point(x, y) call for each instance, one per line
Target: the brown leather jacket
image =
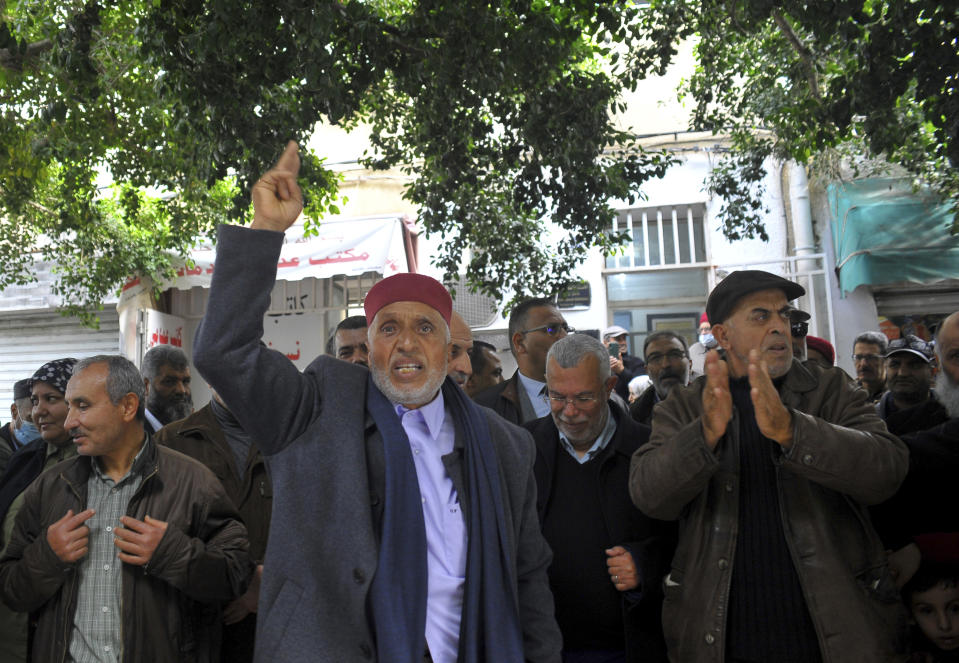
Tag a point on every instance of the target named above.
point(842, 459)
point(168, 609)
point(199, 436)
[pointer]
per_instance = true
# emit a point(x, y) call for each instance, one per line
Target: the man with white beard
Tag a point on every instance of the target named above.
point(404, 522)
point(947, 350)
point(925, 502)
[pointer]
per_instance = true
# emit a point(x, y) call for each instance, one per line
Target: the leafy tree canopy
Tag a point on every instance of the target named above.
point(819, 82)
point(500, 112)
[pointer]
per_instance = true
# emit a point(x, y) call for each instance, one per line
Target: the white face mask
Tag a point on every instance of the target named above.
point(706, 338)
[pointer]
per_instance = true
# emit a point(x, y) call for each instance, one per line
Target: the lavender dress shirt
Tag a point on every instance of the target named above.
point(431, 435)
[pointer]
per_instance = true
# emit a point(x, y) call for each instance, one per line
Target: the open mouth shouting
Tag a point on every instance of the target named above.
point(406, 369)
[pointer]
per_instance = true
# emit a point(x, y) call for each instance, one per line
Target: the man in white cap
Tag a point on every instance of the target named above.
point(404, 520)
point(623, 365)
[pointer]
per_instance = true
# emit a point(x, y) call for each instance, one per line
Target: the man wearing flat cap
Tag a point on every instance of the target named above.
point(20, 431)
point(404, 520)
point(769, 465)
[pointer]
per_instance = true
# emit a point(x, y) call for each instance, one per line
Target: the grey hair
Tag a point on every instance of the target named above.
point(163, 355)
point(122, 378)
point(570, 350)
point(875, 338)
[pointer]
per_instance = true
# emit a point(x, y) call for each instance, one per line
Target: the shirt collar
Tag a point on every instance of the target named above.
point(157, 425)
point(134, 466)
point(601, 442)
point(433, 414)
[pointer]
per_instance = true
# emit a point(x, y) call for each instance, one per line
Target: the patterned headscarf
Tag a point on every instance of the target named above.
point(55, 373)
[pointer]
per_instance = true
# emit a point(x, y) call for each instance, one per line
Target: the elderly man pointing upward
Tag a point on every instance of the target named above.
point(404, 520)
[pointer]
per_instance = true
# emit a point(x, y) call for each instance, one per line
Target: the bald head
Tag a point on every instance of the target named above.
point(947, 346)
point(460, 367)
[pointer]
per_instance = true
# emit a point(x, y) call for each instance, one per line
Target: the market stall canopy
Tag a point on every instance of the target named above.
point(342, 247)
point(885, 232)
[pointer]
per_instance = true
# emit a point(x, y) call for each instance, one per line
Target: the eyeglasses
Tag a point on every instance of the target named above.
point(867, 358)
point(672, 355)
point(551, 330)
point(799, 329)
point(579, 400)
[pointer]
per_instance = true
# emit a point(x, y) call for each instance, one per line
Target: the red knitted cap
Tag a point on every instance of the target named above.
point(408, 288)
point(823, 347)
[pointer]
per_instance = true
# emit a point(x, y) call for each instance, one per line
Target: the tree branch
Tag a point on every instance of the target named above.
point(13, 59)
point(805, 55)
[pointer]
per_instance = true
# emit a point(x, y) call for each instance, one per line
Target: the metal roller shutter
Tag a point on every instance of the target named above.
point(28, 340)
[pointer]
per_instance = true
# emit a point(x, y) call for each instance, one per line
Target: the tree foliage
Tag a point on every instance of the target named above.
point(812, 80)
point(499, 111)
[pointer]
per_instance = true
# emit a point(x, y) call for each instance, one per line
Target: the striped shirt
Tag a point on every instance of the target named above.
point(98, 622)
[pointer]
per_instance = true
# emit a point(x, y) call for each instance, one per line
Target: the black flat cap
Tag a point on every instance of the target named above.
point(21, 389)
point(722, 300)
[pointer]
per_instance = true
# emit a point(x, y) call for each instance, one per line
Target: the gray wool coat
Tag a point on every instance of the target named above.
point(325, 457)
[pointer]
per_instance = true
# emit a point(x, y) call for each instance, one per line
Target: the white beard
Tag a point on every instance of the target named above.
point(408, 396)
point(947, 392)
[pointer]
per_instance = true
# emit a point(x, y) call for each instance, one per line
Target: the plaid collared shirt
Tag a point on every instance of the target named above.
point(98, 622)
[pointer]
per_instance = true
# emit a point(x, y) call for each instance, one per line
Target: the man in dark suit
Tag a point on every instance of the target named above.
point(608, 558)
point(534, 325)
point(404, 519)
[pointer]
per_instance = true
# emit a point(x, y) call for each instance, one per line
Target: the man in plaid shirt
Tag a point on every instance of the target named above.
point(124, 551)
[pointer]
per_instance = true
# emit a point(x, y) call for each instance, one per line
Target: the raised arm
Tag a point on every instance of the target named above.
point(272, 400)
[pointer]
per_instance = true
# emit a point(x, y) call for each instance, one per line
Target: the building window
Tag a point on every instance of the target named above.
point(661, 236)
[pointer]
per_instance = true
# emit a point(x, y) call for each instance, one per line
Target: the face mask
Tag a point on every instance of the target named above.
point(27, 433)
point(706, 339)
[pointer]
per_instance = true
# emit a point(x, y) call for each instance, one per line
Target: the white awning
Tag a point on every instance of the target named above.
point(349, 247)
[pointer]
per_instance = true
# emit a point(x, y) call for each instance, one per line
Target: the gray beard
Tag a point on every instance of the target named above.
point(947, 392)
point(170, 411)
point(420, 396)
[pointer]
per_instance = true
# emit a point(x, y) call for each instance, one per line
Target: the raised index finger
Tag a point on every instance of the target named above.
point(289, 161)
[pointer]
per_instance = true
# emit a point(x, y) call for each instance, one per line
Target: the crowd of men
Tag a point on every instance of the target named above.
point(741, 499)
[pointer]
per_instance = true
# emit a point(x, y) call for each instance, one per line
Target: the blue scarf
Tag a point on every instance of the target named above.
point(490, 628)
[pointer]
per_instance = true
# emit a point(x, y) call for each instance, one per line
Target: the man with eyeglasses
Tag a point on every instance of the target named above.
point(534, 325)
point(668, 365)
point(769, 464)
point(867, 353)
point(608, 558)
